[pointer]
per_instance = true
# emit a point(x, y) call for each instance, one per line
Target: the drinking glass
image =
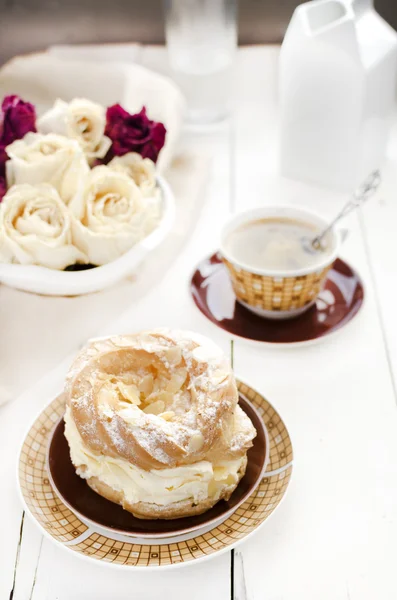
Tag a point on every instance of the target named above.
point(202, 40)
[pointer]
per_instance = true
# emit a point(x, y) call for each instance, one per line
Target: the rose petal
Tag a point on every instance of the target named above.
point(116, 216)
point(82, 120)
point(3, 188)
point(17, 118)
point(36, 228)
point(133, 133)
point(50, 159)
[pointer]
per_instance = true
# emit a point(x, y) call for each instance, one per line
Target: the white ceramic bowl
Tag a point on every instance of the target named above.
point(50, 282)
point(277, 294)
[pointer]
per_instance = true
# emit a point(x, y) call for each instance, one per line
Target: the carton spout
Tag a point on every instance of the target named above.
point(324, 15)
point(360, 7)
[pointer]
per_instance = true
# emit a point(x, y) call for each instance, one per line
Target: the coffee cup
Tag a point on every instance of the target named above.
point(269, 289)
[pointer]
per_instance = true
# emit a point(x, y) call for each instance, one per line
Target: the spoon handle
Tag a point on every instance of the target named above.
point(361, 195)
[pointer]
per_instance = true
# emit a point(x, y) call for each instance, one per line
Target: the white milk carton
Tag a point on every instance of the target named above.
point(338, 67)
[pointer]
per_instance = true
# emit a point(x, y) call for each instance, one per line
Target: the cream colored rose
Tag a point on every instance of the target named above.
point(142, 171)
point(115, 216)
point(35, 228)
point(81, 120)
point(50, 159)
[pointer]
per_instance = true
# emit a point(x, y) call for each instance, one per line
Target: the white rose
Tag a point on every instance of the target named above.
point(142, 170)
point(116, 216)
point(81, 120)
point(50, 159)
point(35, 228)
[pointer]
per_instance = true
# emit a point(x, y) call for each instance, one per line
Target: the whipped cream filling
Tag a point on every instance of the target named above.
point(194, 482)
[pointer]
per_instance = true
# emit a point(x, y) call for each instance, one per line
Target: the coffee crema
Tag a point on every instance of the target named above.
point(275, 243)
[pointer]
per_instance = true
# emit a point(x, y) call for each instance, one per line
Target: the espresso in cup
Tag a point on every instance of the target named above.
point(274, 244)
point(267, 254)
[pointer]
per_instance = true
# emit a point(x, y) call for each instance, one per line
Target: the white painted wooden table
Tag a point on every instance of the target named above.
point(335, 535)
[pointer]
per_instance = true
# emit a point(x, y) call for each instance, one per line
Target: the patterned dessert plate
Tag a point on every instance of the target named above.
point(337, 304)
point(96, 511)
point(63, 526)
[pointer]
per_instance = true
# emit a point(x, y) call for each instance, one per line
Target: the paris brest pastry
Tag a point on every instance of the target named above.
point(153, 423)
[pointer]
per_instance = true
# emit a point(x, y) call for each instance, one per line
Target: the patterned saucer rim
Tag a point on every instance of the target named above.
point(151, 536)
point(282, 345)
point(62, 527)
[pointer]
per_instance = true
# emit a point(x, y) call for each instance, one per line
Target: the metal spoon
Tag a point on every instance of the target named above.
point(361, 195)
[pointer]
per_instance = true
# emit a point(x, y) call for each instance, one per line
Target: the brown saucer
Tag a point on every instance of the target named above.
point(95, 509)
point(337, 304)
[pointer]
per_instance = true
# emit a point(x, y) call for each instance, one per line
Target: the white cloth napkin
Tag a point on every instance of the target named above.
point(128, 53)
point(37, 332)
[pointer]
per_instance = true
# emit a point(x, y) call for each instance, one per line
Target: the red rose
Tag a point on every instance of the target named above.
point(16, 119)
point(3, 188)
point(133, 133)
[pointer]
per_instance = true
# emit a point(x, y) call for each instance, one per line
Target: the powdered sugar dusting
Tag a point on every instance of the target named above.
point(192, 383)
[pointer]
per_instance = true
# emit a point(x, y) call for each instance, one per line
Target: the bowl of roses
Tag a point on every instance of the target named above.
point(81, 201)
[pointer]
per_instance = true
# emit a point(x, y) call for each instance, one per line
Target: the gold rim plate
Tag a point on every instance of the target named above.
point(61, 525)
